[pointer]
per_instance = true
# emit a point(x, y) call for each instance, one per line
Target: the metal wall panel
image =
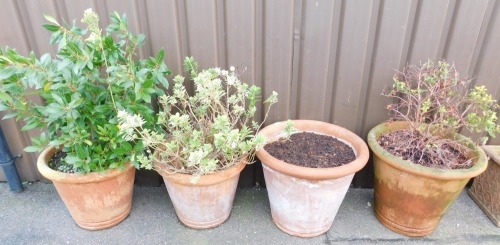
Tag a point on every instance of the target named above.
point(328, 60)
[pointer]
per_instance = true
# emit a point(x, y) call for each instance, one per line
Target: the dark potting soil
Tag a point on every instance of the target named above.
point(411, 146)
point(57, 163)
point(311, 150)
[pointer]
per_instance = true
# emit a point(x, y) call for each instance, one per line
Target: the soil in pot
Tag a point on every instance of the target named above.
point(57, 163)
point(412, 146)
point(305, 196)
point(311, 150)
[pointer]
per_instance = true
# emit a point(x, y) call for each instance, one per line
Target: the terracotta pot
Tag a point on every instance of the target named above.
point(96, 200)
point(485, 190)
point(410, 199)
point(304, 201)
point(206, 203)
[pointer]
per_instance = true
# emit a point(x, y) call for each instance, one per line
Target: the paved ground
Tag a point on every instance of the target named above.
point(38, 216)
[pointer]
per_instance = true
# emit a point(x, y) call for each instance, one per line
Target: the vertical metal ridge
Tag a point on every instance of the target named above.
point(298, 14)
point(258, 57)
point(259, 28)
point(450, 30)
point(178, 35)
point(333, 59)
point(106, 10)
point(27, 30)
point(372, 42)
point(481, 39)
point(450, 18)
point(102, 10)
point(258, 49)
point(221, 37)
point(62, 11)
point(410, 32)
point(142, 9)
point(498, 98)
point(143, 24)
point(182, 30)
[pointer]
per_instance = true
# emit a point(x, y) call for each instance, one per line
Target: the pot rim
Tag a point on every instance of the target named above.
point(275, 131)
point(75, 178)
point(417, 169)
point(493, 151)
point(205, 180)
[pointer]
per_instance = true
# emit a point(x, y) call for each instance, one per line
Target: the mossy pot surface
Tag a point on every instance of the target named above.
point(96, 201)
point(410, 199)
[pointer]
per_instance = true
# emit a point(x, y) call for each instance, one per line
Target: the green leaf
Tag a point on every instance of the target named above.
point(6, 73)
point(32, 149)
point(70, 159)
point(56, 37)
point(5, 97)
point(56, 142)
point(140, 39)
point(3, 107)
point(102, 108)
point(10, 115)
point(29, 126)
point(57, 98)
point(51, 28)
point(144, 96)
point(159, 92)
point(160, 55)
point(162, 80)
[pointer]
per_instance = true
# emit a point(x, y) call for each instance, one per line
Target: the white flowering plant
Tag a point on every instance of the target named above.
point(203, 133)
point(93, 75)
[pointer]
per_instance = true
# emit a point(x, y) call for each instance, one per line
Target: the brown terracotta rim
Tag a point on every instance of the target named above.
point(493, 151)
point(275, 131)
point(205, 180)
point(417, 169)
point(47, 172)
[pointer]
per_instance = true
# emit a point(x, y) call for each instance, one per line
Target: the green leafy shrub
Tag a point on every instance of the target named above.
point(92, 76)
point(205, 132)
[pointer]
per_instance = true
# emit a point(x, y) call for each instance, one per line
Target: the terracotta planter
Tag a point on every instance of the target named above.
point(208, 202)
point(304, 201)
point(485, 190)
point(410, 199)
point(96, 200)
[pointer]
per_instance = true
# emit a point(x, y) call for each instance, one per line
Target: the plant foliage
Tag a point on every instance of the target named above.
point(211, 130)
point(93, 75)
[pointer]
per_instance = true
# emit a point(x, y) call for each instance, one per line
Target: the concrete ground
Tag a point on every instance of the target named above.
point(38, 216)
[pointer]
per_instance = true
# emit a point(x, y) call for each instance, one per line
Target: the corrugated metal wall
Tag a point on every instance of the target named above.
point(328, 60)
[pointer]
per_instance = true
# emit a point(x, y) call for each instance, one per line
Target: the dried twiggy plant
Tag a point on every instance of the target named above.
point(437, 102)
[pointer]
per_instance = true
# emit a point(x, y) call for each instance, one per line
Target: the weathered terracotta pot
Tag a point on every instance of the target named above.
point(96, 200)
point(304, 201)
point(485, 190)
point(410, 199)
point(206, 203)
